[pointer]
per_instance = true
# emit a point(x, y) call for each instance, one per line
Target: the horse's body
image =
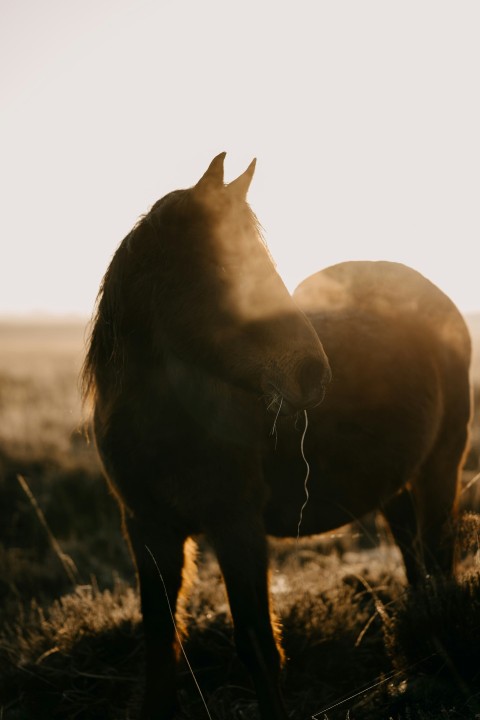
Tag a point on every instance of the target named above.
point(193, 329)
point(392, 431)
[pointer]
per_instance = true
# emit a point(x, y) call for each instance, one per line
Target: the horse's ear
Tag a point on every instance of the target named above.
point(214, 173)
point(239, 187)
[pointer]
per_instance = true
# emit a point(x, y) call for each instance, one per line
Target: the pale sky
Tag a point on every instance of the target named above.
point(364, 116)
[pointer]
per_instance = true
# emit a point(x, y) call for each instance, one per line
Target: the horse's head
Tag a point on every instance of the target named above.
point(224, 306)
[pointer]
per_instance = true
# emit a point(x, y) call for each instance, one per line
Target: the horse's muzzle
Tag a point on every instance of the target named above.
point(305, 391)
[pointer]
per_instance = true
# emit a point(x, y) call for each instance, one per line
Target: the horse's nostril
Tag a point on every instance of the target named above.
point(302, 389)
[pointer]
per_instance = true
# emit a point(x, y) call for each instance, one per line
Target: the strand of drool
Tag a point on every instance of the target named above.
point(177, 633)
point(307, 475)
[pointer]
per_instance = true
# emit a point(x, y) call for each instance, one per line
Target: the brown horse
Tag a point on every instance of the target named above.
point(194, 328)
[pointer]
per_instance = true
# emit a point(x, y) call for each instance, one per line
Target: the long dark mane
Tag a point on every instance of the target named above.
point(106, 349)
point(131, 293)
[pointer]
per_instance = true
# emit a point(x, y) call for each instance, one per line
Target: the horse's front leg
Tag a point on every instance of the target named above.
point(241, 548)
point(159, 558)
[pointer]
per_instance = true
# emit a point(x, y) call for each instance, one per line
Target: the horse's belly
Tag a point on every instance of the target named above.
point(329, 498)
point(348, 469)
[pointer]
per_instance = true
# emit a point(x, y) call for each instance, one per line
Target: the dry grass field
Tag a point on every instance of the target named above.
point(359, 644)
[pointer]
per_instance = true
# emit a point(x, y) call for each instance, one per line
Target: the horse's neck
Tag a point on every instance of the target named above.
point(209, 405)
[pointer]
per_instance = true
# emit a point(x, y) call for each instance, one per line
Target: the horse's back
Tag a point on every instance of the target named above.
point(390, 292)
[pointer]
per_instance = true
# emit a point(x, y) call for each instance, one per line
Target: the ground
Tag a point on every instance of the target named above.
point(358, 643)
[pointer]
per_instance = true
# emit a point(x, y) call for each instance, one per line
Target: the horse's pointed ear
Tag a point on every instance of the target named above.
point(214, 173)
point(240, 186)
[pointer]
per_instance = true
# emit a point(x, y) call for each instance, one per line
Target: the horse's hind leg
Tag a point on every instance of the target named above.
point(401, 515)
point(240, 544)
point(436, 491)
point(422, 517)
point(159, 558)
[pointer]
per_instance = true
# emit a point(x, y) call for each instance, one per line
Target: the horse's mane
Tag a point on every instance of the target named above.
point(106, 346)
